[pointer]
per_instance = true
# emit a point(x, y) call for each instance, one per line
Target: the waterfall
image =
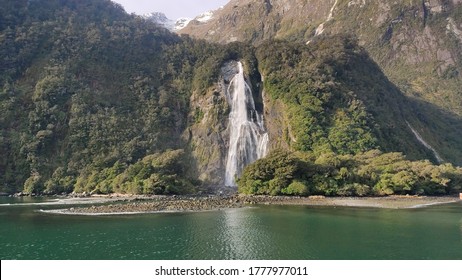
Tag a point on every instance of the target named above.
point(248, 138)
point(320, 28)
point(426, 145)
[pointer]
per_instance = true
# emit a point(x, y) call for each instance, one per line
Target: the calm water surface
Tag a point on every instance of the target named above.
point(263, 232)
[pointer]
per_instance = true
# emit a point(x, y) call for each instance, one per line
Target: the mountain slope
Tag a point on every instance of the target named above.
point(416, 44)
point(336, 97)
point(162, 20)
point(95, 100)
point(87, 87)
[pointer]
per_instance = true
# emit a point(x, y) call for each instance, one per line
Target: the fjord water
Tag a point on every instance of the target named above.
point(262, 232)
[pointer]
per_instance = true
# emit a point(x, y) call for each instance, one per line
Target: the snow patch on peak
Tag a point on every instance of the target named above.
point(156, 16)
point(177, 25)
point(205, 17)
point(181, 23)
point(162, 20)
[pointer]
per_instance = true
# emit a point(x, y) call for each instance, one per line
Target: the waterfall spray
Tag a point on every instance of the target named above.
point(248, 138)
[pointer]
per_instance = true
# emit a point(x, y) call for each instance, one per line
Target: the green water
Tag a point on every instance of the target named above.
point(263, 232)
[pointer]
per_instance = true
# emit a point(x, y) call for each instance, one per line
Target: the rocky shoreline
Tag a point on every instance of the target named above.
point(160, 204)
point(146, 205)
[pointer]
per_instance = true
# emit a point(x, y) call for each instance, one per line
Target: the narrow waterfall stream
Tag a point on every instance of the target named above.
point(426, 145)
point(248, 138)
point(320, 28)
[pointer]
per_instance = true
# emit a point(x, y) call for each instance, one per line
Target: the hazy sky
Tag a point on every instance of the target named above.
point(172, 8)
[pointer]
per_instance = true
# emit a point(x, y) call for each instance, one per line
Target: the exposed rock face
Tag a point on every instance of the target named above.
point(412, 41)
point(209, 135)
point(244, 20)
point(435, 6)
point(453, 29)
point(416, 43)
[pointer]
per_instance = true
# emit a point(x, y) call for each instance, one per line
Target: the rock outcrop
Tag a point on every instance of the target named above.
point(417, 43)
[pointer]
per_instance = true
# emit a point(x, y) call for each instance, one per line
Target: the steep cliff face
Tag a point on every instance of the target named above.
point(208, 135)
point(325, 97)
point(227, 130)
point(95, 100)
point(417, 43)
point(255, 21)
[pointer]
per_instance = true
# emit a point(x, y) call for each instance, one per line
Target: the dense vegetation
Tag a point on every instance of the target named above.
point(340, 109)
point(338, 100)
point(87, 88)
point(364, 174)
point(416, 44)
point(95, 100)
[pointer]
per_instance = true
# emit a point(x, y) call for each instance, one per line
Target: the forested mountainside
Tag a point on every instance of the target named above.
point(85, 87)
point(95, 100)
point(417, 44)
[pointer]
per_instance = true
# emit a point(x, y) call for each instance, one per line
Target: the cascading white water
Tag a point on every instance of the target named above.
point(426, 145)
point(248, 138)
point(320, 28)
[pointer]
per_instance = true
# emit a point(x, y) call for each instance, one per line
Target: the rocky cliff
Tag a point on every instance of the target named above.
point(415, 43)
point(95, 100)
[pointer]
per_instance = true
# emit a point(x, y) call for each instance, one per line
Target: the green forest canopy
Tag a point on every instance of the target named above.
point(95, 100)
